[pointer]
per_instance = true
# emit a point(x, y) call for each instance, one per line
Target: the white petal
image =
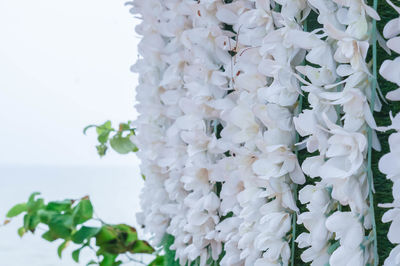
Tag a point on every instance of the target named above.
point(393, 95)
point(394, 44)
point(394, 231)
point(392, 28)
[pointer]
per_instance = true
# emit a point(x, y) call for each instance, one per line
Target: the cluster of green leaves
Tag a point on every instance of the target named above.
point(67, 219)
point(119, 141)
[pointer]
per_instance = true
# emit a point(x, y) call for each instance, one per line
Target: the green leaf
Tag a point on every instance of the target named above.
point(108, 259)
point(104, 127)
point(35, 205)
point(122, 145)
point(61, 248)
point(91, 263)
point(75, 255)
point(46, 216)
point(49, 236)
point(143, 177)
point(32, 196)
point(61, 226)
point(158, 261)
point(106, 234)
point(104, 131)
point(21, 231)
point(124, 127)
point(333, 247)
point(87, 127)
point(82, 212)
point(84, 233)
point(26, 221)
point(103, 137)
point(130, 233)
point(17, 210)
point(30, 222)
point(34, 222)
point(141, 246)
point(101, 149)
point(59, 205)
point(166, 243)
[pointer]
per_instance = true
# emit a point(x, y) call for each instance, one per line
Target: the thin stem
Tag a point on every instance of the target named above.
point(95, 252)
point(134, 260)
point(369, 168)
point(96, 217)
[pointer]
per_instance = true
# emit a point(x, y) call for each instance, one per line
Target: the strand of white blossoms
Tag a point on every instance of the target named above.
point(341, 162)
point(190, 88)
point(317, 197)
point(388, 164)
point(154, 117)
point(205, 79)
point(259, 133)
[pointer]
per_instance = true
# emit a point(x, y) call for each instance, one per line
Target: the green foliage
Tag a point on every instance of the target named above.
point(66, 220)
point(158, 261)
point(120, 141)
point(17, 210)
point(169, 258)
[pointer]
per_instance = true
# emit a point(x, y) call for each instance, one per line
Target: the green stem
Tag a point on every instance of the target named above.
point(369, 168)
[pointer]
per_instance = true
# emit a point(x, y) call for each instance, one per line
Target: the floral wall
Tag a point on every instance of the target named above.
point(263, 128)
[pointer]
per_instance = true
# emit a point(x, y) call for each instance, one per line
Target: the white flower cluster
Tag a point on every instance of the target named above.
point(388, 164)
point(219, 92)
point(259, 133)
point(180, 92)
point(338, 91)
point(390, 69)
point(155, 116)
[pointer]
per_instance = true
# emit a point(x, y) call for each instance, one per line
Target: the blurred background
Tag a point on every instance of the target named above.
point(64, 65)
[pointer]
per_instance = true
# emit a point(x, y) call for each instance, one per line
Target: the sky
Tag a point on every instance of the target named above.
point(64, 65)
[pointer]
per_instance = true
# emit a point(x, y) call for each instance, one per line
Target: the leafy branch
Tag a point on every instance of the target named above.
point(120, 141)
point(67, 220)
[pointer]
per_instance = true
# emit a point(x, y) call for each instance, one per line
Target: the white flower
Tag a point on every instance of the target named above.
point(389, 166)
point(351, 234)
point(307, 125)
point(316, 240)
point(277, 163)
point(389, 70)
point(387, 163)
point(393, 215)
point(243, 127)
point(394, 257)
point(345, 154)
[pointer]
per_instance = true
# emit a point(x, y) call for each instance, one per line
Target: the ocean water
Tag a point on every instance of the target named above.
point(114, 192)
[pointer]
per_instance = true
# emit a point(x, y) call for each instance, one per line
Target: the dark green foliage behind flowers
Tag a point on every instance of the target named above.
point(383, 186)
point(169, 257)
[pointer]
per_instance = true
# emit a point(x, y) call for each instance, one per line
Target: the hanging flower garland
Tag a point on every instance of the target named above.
point(220, 98)
point(193, 226)
point(260, 134)
point(152, 121)
point(388, 164)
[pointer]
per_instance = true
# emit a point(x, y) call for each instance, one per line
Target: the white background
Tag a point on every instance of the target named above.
point(63, 65)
